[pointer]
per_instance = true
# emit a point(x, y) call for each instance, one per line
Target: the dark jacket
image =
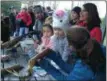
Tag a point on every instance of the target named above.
point(12, 18)
point(33, 21)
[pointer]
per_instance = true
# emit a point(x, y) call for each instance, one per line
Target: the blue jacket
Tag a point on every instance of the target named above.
point(80, 72)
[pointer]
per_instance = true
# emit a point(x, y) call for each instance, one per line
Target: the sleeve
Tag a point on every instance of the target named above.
point(52, 43)
point(66, 50)
point(97, 34)
point(29, 20)
point(81, 72)
point(17, 16)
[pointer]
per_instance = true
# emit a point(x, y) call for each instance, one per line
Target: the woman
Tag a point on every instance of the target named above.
point(89, 18)
point(90, 60)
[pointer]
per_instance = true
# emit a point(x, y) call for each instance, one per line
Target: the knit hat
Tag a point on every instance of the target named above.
point(60, 19)
point(77, 10)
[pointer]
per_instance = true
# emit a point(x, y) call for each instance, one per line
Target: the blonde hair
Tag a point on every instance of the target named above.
point(48, 20)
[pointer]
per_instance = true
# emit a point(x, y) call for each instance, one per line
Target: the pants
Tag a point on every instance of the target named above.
point(16, 33)
point(23, 30)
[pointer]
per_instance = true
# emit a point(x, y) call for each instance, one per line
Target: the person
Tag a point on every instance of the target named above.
point(47, 33)
point(24, 18)
point(49, 11)
point(5, 36)
point(39, 19)
point(30, 11)
point(90, 65)
point(12, 18)
point(89, 18)
point(75, 15)
point(59, 41)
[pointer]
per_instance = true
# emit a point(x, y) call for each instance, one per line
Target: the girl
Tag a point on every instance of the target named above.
point(47, 33)
point(59, 41)
point(89, 18)
point(90, 65)
point(75, 15)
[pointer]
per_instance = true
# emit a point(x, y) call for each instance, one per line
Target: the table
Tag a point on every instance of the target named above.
point(21, 59)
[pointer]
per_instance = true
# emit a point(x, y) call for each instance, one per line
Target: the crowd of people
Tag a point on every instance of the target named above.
point(66, 33)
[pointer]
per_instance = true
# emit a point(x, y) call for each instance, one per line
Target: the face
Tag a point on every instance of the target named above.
point(59, 32)
point(84, 15)
point(47, 32)
point(38, 15)
point(74, 15)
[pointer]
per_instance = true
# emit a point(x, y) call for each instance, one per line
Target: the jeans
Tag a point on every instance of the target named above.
point(16, 33)
point(23, 30)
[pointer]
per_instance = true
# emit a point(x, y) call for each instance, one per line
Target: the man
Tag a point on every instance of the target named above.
point(12, 17)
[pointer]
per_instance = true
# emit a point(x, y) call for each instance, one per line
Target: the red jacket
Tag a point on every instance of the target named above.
point(94, 33)
point(26, 18)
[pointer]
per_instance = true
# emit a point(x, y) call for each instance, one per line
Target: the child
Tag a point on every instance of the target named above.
point(75, 14)
point(47, 33)
point(59, 41)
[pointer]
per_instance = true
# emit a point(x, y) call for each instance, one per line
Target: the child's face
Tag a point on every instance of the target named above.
point(59, 32)
point(74, 15)
point(47, 32)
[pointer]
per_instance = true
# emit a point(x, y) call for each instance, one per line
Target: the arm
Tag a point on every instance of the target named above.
point(29, 20)
point(97, 34)
point(52, 44)
point(33, 60)
point(81, 72)
point(66, 51)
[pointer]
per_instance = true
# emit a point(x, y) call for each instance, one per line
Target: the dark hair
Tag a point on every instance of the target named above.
point(48, 26)
point(93, 19)
point(48, 8)
point(96, 58)
point(77, 10)
point(38, 9)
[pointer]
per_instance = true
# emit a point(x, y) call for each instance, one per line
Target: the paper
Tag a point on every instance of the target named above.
point(38, 71)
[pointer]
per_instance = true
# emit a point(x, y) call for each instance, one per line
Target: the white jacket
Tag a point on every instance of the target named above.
point(60, 45)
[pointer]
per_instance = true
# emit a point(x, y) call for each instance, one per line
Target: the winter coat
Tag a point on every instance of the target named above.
point(94, 33)
point(60, 45)
point(25, 18)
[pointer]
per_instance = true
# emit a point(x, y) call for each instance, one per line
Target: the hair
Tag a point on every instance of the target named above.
point(49, 18)
point(93, 19)
point(48, 8)
point(30, 8)
point(48, 26)
point(79, 36)
point(38, 9)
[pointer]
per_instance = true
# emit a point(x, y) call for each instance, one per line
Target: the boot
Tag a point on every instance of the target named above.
point(35, 59)
point(13, 69)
